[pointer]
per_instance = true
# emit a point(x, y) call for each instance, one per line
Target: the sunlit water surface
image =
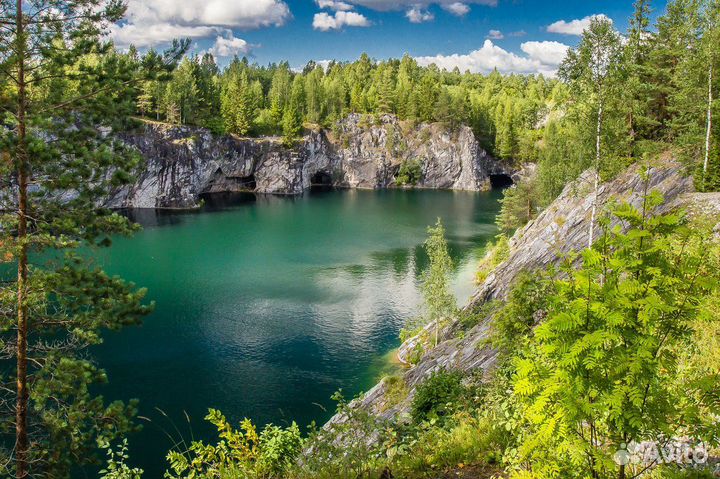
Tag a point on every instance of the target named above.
point(265, 307)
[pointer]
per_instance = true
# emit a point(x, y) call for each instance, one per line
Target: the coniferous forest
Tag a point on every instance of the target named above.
point(614, 348)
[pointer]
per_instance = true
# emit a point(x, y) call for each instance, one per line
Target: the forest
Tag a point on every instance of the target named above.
point(619, 347)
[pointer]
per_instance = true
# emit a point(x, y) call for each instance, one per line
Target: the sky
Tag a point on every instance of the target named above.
point(514, 36)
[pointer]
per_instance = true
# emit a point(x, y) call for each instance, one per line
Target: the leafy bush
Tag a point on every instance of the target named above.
point(410, 173)
point(526, 305)
point(117, 467)
point(350, 449)
point(495, 253)
point(239, 452)
point(437, 397)
point(470, 440)
point(395, 391)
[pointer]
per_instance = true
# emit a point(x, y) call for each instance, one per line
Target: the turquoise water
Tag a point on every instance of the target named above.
point(268, 306)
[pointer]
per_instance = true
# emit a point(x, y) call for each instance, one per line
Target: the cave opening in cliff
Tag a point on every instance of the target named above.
point(247, 183)
point(501, 181)
point(321, 181)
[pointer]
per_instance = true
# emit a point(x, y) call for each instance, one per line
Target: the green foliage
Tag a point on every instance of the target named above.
point(519, 205)
point(117, 467)
point(395, 391)
point(525, 307)
point(495, 253)
point(601, 370)
point(61, 158)
point(342, 450)
point(410, 173)
point(238, 453)
point(438, 396)
point(440, 304)
point(469, 439)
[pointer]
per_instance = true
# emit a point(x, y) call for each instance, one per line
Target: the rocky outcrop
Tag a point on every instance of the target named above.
point(560, 229)
point(183, 163)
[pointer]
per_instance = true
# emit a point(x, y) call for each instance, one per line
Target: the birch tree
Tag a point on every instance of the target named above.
point(711, 40)
point(440, 303)
point(593, 68)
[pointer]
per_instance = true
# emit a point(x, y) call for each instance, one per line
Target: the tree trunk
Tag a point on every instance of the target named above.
point(709, 123)
point(597, 174)
point(21, 407)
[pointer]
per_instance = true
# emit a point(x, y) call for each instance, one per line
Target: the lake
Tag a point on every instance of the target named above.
point(265, 306)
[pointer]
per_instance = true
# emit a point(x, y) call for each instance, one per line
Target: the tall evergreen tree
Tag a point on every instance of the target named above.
point(293, 115)
point(66, 89)
point(236, 104)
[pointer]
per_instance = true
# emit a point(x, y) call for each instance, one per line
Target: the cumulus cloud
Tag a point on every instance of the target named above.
point(229, 45)
point(144, 36)
point(540, 57)
point(548, 53)
point(418, 15)
point(324, 21)
point(150, 23)
point(395, 5)
point(334, 5)
point(495, 35)
point(574, 27)
point(457, 8)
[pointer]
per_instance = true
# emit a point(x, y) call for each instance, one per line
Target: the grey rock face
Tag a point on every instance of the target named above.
point(560, 229)
point(183, 162)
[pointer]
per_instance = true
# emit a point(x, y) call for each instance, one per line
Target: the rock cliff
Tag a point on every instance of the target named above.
point(558, 230)
point(183, 163)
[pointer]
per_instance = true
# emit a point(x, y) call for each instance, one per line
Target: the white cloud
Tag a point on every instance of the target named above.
point(495, 35)
point(418, 15)
point(548, 53)
point(144, 36)
point(395, 5)
point(149, 23)
point(229, 45)
point(324, 22)
point(541, 57)
point(574, 27)
point(334, 5)
point(457, 8)
point(519, 33)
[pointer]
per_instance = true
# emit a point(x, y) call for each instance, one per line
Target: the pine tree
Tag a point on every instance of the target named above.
point(66, 88)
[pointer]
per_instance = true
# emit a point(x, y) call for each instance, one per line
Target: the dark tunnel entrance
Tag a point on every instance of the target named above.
point(501, 181)
point(246, 183)
point(321, 181)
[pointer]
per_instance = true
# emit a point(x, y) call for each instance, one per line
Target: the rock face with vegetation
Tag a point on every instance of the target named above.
point(182, 162)
point(560, 229)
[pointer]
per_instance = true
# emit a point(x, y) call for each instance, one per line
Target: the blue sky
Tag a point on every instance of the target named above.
point(524, 36)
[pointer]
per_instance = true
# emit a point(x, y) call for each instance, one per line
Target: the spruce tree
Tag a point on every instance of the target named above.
point(293, 115)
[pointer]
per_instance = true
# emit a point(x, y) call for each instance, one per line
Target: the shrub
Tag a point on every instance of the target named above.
point(395, 391)
point(495, 253)
point(525, 306)
point(437, 397)
point(410, 173)
point(469, 440)
point(239, 452)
